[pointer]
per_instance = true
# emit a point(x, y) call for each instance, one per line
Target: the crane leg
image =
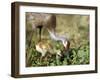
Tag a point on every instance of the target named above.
point(40, 32)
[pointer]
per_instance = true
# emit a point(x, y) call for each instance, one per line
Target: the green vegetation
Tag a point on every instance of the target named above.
point(76, 28)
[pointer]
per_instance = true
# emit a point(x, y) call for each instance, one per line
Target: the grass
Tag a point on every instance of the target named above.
point(76, 28)
point(75, 56)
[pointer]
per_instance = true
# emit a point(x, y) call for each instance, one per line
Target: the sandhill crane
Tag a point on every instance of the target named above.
point(45, 47)
point(40, 20)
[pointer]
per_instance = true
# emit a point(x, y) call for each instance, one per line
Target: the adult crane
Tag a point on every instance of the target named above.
point(48, 21)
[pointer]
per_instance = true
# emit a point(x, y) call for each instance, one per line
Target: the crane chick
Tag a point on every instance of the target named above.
point(45, 47)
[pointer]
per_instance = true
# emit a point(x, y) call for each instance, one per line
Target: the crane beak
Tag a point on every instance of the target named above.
point(67, 45)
